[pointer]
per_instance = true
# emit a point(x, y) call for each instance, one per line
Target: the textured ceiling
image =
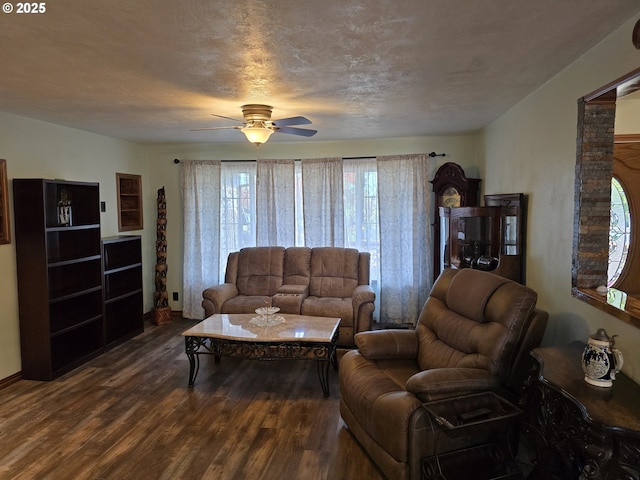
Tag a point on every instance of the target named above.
point(151, 70)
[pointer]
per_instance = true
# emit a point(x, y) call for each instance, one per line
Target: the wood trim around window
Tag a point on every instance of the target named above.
point(627, 138)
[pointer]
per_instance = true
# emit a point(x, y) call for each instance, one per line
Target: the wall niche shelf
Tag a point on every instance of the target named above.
point(129, 197)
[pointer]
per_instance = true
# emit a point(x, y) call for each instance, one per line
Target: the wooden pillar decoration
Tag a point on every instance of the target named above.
point(162, 311)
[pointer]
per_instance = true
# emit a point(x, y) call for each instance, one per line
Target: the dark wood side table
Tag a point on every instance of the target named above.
point(579, 431)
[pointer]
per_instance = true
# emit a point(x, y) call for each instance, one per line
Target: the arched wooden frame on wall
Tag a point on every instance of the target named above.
point(594, 169)
point(626, 170)
point(5, 236)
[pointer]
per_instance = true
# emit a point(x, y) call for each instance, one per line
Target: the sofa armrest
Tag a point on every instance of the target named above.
point(382, 344)
point(438, 383)
point(362, 294)
point(214, 297)
point(363, 300)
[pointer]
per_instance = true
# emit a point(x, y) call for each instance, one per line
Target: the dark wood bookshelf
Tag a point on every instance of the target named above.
point(123, 301)
point(59, 266)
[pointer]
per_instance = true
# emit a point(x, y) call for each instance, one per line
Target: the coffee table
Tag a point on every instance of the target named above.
point(298, 337)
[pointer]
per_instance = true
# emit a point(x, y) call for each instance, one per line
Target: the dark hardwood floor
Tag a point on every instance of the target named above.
point(130, 415)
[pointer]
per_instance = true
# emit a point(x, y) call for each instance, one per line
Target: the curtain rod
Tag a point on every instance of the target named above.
point(177, 161)
point(431, 154)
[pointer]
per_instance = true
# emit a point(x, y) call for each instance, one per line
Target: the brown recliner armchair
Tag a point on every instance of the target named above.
point(473, 335)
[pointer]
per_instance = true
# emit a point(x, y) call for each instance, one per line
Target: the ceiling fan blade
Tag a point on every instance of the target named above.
point(305, 132)
point(237, 127)
point(285, 122)
point(228, 118)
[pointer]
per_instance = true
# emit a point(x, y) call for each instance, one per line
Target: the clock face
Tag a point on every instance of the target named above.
point(450, 198)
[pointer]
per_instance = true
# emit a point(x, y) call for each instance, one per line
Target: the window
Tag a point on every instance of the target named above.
point(384, 207)
point(237, 208)
point(360, 191)
point(238, 203)
point(361, 215)
point(619, 231)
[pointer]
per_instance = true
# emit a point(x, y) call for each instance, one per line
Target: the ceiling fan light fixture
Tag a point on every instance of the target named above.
point(257, 135)
point(257, 125)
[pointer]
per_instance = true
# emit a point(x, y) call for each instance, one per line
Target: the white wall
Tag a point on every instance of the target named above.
point(628, 116)
point(532, 149)
point(460, 149)
point(35, 149)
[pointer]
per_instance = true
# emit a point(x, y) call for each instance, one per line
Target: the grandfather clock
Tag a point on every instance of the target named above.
point(452, 189)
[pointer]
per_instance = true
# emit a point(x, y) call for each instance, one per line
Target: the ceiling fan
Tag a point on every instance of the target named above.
point(258, 126)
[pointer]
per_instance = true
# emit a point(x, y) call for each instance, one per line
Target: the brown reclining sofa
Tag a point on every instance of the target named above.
point(322, 281)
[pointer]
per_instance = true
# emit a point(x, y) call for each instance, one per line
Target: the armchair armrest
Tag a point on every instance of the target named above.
point(381, 344)
point(438, 383)
point(216, 296)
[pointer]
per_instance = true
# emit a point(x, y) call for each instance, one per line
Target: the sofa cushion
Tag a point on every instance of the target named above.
point(329, 307)
point(260, 270)
point(245, 303)
point(449, 338)
point(297, 266)
point(471, 302)
point(334, 272)
point(293, 290)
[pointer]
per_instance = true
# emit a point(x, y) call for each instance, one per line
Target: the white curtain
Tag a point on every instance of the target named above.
point(237, 209)
point(361, 219)
point(323, 202)
point(275, 202)
point(201, 216)
point(380, 206)
point(405, 239)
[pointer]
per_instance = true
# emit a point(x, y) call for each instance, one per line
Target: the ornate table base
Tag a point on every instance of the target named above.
point(580, 431)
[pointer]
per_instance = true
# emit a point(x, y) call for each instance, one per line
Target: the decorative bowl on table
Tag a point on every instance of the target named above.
point(266, 317)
